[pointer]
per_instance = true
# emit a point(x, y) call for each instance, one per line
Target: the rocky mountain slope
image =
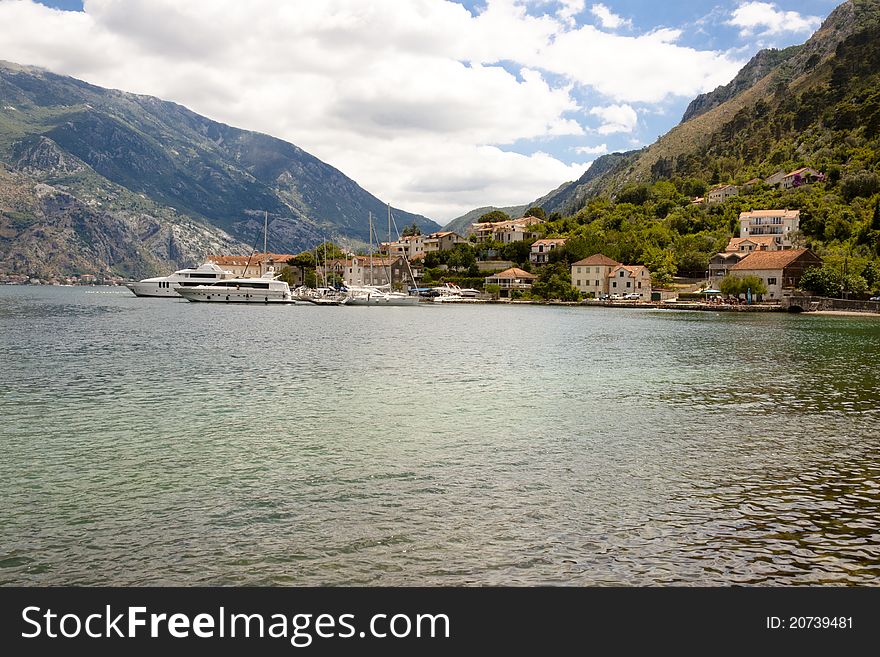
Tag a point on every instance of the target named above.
point(153, 185)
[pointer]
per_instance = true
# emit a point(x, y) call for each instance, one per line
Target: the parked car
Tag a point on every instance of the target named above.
point(604, 297)
point(874, 299)
point(633, 296)
point(616, 297)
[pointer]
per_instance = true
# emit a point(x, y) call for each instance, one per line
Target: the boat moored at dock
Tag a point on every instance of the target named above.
point(166, 286)
point(266, 289)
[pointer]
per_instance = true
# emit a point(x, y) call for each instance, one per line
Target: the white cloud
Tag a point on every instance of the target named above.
point(616, 118)
point(608, 19)
point(765, 18)
point(601, 149)
point(570, 9)
point(420, 102)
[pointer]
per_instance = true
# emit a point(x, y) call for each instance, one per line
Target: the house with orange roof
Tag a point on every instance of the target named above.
point(442, 241)
point(802, 176)
point(590, 275)
point(511, 280)
point(721, 193)
point(541, 250)
point(253, 266)
point(781, 271)
point(629, 279)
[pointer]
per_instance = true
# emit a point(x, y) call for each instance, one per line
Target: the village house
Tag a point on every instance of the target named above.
point(541, 250)
point(802, 176)
point(721, 194)
point(408, 247)
point(442, 241)
point(738, 248)
point(781, 271)
point(629, 279)
point(590, 275)
point(775, 179)
point(253, 266)
point(599, 275)
point(720, 265)
point(363, 270)
point(510, 280)
point(514, 230)
point(779, 223)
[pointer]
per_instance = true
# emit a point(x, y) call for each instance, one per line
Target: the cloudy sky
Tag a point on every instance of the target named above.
point(436, 106)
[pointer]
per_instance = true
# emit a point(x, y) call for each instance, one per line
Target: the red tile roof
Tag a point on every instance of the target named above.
point(598, 259)
point(513, 272)
point(771, 259)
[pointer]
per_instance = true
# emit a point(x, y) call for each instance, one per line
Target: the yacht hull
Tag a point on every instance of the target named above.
point(235, 296)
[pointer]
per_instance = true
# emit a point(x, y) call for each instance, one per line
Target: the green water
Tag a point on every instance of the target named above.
point(153, 441)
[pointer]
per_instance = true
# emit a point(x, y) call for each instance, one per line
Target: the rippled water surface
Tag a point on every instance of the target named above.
point(153, 441)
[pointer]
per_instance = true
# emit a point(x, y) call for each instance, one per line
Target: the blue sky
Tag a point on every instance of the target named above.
point(436, 106)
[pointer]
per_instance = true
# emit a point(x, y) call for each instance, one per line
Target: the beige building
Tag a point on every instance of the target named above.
point(781, 271)
point(443, 241)
point(408, 247)
point(629, 279)
point(363, 270)
point(721, 194)
point(510, 280)
point(255, 266)
point(541, 250)
point(515, 230)
point(590, 275)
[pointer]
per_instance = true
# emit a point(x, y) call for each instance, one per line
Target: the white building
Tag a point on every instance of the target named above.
point(541, 250)
point(779, 223)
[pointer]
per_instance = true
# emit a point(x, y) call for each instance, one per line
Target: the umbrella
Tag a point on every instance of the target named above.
point(710, 291)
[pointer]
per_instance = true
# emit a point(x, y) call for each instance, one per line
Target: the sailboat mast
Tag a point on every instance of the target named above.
point(266, 232)
point(371, 247)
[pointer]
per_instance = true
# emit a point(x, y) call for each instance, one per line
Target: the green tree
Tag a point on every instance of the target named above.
point(536, 212)
point(871, 274)
point(412, 229)
point(462, 256)
point(731, 286)
point(821, 281)
point(755, 284)
point(554, 282)
point(493, 216)
point(494, 290)
point(302, 261)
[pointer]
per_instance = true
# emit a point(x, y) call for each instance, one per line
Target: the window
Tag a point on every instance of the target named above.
point(628, 284)
point(597, 283)
point(614, 284)
point(771, 281)
point(621, 274)
point(579, 283)
point(579, 270)
point(640, 285)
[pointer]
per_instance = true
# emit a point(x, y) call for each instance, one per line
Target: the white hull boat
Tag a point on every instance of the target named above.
point(166, 286)
point(265, 290)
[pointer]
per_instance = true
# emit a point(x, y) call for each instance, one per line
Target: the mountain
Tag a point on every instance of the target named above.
point(784, 109)
point(96, 180)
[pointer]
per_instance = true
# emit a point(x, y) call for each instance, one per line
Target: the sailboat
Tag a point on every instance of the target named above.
point(379, 295)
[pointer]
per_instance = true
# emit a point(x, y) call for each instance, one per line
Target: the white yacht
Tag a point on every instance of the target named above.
point(266, 289)
point(164, 286)
point(368, 295)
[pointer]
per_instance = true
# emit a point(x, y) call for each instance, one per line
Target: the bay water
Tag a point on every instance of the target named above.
point(162, 442)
